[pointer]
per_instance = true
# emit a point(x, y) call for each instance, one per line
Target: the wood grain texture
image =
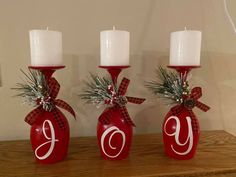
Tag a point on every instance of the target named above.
point(216, 157)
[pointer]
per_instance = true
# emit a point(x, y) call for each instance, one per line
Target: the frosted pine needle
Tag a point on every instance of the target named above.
point(96, 90)
point(34, 90)
point(169, 86)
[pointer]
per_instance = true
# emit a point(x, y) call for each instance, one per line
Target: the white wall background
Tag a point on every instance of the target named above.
point(150, 23)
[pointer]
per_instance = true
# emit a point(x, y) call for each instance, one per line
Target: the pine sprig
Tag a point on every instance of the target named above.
point(34, 90)
point(96, 90)
point(169, 86)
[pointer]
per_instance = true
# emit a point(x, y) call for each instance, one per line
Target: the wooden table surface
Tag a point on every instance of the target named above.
point(216, 156)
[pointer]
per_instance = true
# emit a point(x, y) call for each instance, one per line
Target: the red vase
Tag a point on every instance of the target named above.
point(181, 134)
point(114, 139)
point(49, 141)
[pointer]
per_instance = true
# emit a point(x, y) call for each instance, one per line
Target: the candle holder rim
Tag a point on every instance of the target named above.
point(115, 67)
point(183, 66)
point(46, 67)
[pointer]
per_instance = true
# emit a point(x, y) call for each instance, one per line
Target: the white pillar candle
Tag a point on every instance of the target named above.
point(46, 48)
point(114, 48)
point(185, 48)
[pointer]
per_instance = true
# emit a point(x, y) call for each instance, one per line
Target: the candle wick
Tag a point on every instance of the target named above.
point(114, 28)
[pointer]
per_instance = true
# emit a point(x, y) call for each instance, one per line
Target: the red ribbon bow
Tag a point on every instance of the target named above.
point(189, 103)
point(54, 88)
point(105, 119)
